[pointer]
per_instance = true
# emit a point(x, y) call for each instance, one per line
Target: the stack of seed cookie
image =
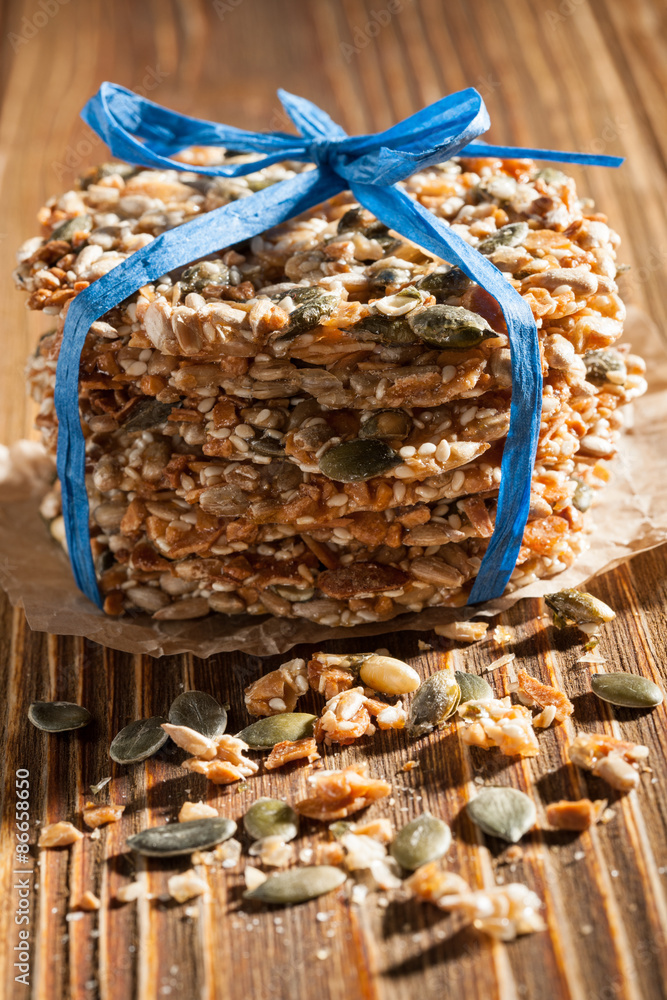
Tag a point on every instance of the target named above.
point(311, 424)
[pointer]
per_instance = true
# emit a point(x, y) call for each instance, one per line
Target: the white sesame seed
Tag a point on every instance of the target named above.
point(407, 451)
point(448, 373)
point(428, 448)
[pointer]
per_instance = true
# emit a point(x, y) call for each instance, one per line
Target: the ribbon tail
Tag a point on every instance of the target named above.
point(240, 220)
point(393, 207)
point(557, 155)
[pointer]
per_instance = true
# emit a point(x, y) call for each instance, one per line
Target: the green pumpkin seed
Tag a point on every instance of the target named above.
point(265, 733)
point(356, 461)
point(58, 716)
point(550, 175)
point(297, 885)
point(207, 272)
point(512, 235)
point(67, 229)
point(340, 828)
point(473, 687)
point(502, 812)
point(138, 741)
point(391, 330)
point(388, 276)
point(147, 413)
point(268, 445)
point(182, 838)
point(313, 304)
point(579, 607)
point(436, 700)
point(354, 218)
point(627, 690)
point(424, 839)
point(271, 818)
point(583, 496)
point(199, 711)
point(386, 424)
point(442, 284)
point(605, 366)
point(450, 327)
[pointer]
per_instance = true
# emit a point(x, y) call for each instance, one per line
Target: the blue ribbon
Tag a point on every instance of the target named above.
point(146, 134)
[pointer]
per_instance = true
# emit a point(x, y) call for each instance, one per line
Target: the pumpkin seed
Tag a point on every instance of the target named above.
point(207, 272)
point(297, 885)
point(436, 700)
point(147, 413)
point(442, 284)
point(199, 711)
point(265, 733)
point(604, 366)
point(67, 229)
point(271, 818)
point(312, 305)
point(550, 175)
point(473, 687)
point(583, 496)
point(358, 460)
point(627, 690)
point(96, 174)
point(579, 607)
point(354, 218)
point(512, 235)
point(182, 838)
point(424, 839)
point(268, 445)
point(450, 327)
point(390, 330)
point(340, 828)
point(386, 424)
point(502, 812)
point(58, 716)
point(139, 740)
point(388, 276)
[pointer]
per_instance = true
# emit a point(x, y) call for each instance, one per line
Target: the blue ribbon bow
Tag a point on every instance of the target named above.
point(371, 167)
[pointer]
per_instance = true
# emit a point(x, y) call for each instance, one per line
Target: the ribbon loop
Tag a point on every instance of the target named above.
point(144, 133)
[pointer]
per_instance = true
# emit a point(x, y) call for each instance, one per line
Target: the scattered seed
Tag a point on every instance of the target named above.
point(138, 741)
point(502, 812)
point(271, 818)
point(199, 711)
point(96, 789)
point(297, 885)
point(265, 733)
point(58, 716)
point(424, 839)
point(583, 496)
point(182, 838)
point(387, 675)
point(473, 688)
point(435, 701)
point(627, 690)
point(358, 460)
point(579, 607)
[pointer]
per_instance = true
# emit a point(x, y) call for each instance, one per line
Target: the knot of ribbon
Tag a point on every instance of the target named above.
point(371, 167)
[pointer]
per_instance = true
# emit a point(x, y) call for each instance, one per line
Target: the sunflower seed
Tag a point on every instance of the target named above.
point(67, 229)
point(512, 235)
point(386, 424)
point(312, 305)
point(450, 327)
point(199, 711)
point(385, 329)
point(473, 688)
point(627, 690)
point(356, 461)
point(435, 701)
point(207, 272)
point(182, 838)
point(424, 839)
point(147, 413)
point(387, 675)
point(139, 740)
point(583, 496)
point(502, 812)
point(267, 445)
point(265, 733)
point(579, 607)
point(297, 885)
point(271, 818)
point(58, 716)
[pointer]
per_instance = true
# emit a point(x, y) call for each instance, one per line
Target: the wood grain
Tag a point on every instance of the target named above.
point(567, 73)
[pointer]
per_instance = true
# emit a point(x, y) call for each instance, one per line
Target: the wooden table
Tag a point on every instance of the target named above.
point(566, 73)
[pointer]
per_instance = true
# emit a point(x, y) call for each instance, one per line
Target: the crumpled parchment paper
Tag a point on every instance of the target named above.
point(630, 517)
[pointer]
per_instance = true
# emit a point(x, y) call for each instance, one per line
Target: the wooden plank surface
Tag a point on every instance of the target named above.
point(565, 73)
